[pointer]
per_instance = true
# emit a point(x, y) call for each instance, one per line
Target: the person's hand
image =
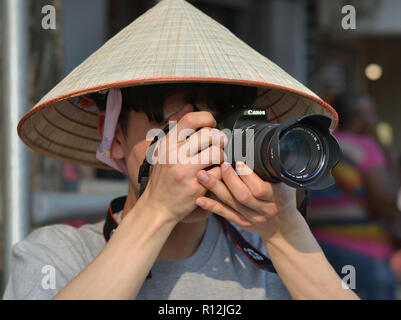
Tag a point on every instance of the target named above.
point(173, 188)
point(248, 201)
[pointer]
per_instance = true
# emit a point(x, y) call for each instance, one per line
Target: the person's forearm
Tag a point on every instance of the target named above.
point(302, 265)
point(120, 269)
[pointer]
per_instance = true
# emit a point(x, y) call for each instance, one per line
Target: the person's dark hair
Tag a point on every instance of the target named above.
point(346, 107)
point(150, 98)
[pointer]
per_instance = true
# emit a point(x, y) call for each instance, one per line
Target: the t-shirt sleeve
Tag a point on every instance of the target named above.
point(374, 156)
point(42, 265)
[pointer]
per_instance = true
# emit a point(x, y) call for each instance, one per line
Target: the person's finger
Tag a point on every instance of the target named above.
point(192, 121)
point(260, 189)
point(175, 114)
point(204, 138)
point(168, 148)
point(236, 186)
point(215, 172)
point(220, 190)
point(213, 155)
point(223, 210)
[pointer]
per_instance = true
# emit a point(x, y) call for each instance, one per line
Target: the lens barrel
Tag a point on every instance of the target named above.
point(300, 152)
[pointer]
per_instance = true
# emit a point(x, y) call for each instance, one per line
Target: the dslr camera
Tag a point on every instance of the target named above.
point(300, 152)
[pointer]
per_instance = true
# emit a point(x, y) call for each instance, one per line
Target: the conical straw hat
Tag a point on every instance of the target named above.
point(171, 42)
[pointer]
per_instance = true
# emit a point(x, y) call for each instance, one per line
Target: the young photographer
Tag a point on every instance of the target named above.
point(169, 242)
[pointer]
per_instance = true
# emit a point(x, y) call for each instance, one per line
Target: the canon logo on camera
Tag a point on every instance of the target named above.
point(256, 112)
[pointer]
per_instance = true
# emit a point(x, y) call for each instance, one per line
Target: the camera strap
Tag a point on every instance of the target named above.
point(117, 205)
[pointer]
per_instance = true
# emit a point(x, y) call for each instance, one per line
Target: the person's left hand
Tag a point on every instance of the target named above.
point(248, 201)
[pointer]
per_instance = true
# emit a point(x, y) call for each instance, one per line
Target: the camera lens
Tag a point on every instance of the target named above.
point(301, 153)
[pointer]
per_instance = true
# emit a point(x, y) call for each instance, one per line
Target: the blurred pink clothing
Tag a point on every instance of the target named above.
point(71, 172)
point(340, 215)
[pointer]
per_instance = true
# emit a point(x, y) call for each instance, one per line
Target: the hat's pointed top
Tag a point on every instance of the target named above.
point(171, 42)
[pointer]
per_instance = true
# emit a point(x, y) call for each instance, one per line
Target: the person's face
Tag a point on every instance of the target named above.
point(133, 147)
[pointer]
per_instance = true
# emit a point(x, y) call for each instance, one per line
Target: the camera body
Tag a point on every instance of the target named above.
point(300, 152)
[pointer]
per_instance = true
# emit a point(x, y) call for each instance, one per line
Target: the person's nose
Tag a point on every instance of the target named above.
point(186, 109)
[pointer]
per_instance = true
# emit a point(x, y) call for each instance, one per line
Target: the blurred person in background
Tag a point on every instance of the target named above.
point(71, 177)
point(395, 261)
point(385, 136)
point(399, 189)
point(73, 174)
point(349, 219)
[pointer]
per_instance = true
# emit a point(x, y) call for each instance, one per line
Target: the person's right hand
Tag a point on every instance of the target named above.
point(173, 188)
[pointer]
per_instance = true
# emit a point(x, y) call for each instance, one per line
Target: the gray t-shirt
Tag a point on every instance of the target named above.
point(50, 257)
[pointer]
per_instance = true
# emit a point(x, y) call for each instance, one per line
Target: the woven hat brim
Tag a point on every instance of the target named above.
point(59, 128)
